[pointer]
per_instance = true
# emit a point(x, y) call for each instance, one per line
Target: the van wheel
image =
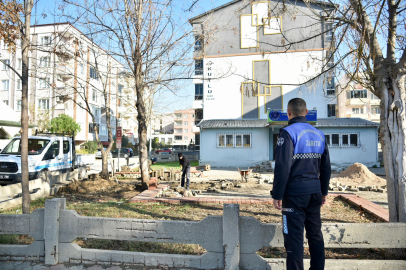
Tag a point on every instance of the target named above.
point(43, 174)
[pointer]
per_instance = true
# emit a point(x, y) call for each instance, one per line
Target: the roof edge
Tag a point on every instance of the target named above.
point(235, 1)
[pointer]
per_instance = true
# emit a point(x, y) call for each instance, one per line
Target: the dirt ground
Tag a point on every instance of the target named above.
point(100, 190)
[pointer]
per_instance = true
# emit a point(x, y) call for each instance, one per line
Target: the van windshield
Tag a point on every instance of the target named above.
point(35, 147)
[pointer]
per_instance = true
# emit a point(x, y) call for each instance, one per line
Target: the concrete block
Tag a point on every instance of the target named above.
point(231, 236)
point(51, 230)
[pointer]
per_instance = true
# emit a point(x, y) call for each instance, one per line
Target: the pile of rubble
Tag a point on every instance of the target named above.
point(338, 186)
point(263, 167)
point(179, 191)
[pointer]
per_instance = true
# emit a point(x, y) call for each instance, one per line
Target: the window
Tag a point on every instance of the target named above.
point(103, 130)
point(342, 140)
point(374, 97)
point(354, 139)
point(238, 140)
point(345, 141)
point(43, 104)
point(331, 110)
point(185, 123)
point(178, 123)
point(93, 74)
point(246, 140)
point(82, 68)
point(357, 94)
point(5, 84)
point(18, 84)
point(375, 110)
point(230, 140)
point(185, 116)
point(178, 130)
point(199, 67)
point(19, 63)
point(327, 137)
point(120, 88)
point(44, 83)
point(185, 130)
point(335, 139)
point(94, 95)
point(178, 138)
point(329, 31)
point(185, 138)
point(178, 115)
point(330, 84)
point(198, 43)
point(6, 64)
point(65, 146)
point(5, 102)
point(221, 141)
point(45, 61)
point(46, 41)
point(357, 110)
point(19, 104)
point(198, 91)
point(169, 140)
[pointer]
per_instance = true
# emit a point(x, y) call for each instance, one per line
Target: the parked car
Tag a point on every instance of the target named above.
point(99, 155)
point(163, 151)
point(124, 152)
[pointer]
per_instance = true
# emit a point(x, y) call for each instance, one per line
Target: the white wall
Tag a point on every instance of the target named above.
point(227, 73)
point(234, 157)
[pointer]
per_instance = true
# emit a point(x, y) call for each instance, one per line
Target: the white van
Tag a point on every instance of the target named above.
point(47, 152)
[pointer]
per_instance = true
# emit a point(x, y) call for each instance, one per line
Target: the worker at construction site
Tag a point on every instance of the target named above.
point(185, 167)
point(301, 179)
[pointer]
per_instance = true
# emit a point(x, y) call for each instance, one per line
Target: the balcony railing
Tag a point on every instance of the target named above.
point(356, 102)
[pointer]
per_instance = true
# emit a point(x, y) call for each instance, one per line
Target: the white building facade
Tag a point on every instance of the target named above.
point(67, 70)
point(242, 70)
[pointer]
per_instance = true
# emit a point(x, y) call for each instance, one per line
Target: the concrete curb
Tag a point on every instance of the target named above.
point(366, 205)
point(149, 196)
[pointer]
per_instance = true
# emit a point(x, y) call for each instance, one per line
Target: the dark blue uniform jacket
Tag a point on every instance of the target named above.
point(302, 161)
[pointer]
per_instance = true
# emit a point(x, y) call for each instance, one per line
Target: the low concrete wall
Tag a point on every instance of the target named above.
point(43, 188)
point(230, 240)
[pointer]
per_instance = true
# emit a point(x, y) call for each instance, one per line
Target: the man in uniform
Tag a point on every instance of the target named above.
point(301, 179)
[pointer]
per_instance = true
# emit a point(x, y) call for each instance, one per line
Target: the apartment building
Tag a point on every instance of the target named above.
point(184, 128)
point(67, 71)
point(242, 72)
point(354, 101)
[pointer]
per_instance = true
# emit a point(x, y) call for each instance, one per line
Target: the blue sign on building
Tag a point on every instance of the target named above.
point(280, 116)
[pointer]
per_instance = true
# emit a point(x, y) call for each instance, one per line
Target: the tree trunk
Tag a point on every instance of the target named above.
point(24, 110)
point(393, 133)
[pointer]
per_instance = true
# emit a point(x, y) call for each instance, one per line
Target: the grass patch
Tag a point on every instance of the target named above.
point(171, 165)
point(150, 247)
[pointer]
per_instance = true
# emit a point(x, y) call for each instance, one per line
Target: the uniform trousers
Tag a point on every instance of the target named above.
point(185, 174)
point(299, 212)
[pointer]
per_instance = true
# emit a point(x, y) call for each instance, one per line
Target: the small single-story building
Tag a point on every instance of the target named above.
point(246, 142)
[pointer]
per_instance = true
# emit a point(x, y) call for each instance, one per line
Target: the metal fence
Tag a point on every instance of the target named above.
point(231, 241)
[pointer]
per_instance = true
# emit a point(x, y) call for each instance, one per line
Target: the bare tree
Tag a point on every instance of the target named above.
point(15, 25)
point(153, 43)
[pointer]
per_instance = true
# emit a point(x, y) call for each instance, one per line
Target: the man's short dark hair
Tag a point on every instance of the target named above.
point(297, 106)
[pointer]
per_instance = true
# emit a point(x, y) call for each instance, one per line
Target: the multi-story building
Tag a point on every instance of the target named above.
point(354, 101)
point(184, 123)
point(252, 57)
point(67, 71)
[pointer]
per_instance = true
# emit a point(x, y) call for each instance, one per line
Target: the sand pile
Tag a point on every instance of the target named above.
point(359, 175)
